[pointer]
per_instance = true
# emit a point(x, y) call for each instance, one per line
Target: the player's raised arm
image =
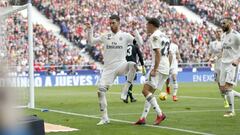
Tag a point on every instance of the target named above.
point(137, 37)
point(178, 55)
point(92, 40)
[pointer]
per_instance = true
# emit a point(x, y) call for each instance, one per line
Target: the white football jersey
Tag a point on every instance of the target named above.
point(160, 40)
point(173, 51)
point(115, 45)
point(216, 48)
point(231, 46)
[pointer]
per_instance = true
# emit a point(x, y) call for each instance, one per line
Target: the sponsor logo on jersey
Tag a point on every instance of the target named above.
point(114, 47)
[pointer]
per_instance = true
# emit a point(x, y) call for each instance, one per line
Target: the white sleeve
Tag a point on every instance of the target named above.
point(154, 42)
point(138, 38)
point(92, 40)
point(211, 49)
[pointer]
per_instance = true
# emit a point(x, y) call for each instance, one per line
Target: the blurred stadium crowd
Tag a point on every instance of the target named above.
point(214, 10)
point(70, 15)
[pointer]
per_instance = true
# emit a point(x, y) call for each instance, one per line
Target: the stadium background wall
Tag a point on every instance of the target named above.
point(91, 77)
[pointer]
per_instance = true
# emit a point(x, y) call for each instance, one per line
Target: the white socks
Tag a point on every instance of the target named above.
point(103, 104)
point(175, 88)
point(230, 96)
point(152, 100)
point(146, 109)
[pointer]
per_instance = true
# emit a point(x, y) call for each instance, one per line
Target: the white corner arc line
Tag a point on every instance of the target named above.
point(123, 121)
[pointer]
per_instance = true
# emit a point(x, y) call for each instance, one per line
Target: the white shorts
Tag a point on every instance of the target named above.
point(156, 82)
point(110, 72)
point(173, 71)
point(228, 74)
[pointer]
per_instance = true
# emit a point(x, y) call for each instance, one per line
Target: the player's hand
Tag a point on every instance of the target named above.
point(88, 25)
point(153, 73)
point(134, 25)
point(143, 70)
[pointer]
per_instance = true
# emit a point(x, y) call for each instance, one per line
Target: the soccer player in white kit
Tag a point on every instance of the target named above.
point(158, 74)
point(215, 48)
point(230, 62)
point(173, 71)
point(115, 64)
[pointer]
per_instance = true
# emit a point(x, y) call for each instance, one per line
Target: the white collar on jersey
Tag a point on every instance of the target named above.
point(115, 33)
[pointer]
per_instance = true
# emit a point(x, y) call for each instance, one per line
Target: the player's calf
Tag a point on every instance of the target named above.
point(103, 103)
point(130, 77)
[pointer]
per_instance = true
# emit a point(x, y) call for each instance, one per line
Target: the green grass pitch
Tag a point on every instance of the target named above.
point(199, 110)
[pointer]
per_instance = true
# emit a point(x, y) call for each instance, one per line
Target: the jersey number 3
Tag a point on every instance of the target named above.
point(129, 50)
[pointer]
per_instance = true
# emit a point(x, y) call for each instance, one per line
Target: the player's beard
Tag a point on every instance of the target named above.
point(114, 30)
point(225, 29)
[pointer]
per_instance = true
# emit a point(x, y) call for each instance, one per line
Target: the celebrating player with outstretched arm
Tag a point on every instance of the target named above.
point(115, 49)
point(230, 62)
point(158, 74)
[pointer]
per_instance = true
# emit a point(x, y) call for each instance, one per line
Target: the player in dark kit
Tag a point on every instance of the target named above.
point(134, 53)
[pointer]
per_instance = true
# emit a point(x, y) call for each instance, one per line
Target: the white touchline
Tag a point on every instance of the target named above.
point(123, 121)
point(189, 111)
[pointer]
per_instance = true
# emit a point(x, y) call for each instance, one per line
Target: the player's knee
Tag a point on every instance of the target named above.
point(145, 92)
point(132, 65)
point(103, 89)
point(147, 89)
point(227, 87)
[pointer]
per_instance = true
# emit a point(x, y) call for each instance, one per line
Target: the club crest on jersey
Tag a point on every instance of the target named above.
point(109, 36)
point(230, 40)
point(120, 38)
point(155, 39)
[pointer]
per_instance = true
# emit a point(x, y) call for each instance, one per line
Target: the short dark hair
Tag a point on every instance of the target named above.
point(115, 17)
point(154, 21)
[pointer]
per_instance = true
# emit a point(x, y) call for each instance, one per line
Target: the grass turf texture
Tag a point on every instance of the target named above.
point(190, 113)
